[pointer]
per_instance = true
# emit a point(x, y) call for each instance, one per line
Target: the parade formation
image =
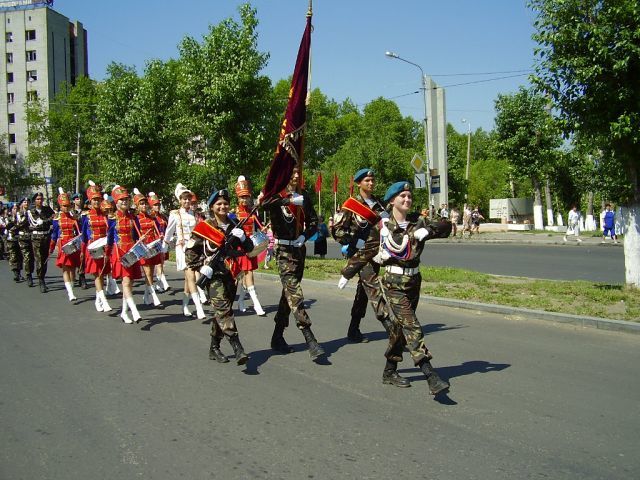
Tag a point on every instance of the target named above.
point(119, 239)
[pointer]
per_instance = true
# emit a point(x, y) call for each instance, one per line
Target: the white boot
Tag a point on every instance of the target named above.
point(202, 295)
point(69, 287)
point(158, 285)
point(146, 298)
point(98, 303)
point(112, 289)
point(241, 306)
point(164, 282)
point(199, 311)
point(154, 297)
point(185, 306)
point(125, 318)
point(256, 303)
point(134, 310)
point(103, 300)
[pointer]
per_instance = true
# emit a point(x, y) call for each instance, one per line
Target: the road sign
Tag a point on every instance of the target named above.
point(420, 180)
point(417, 163)
point(435, 184)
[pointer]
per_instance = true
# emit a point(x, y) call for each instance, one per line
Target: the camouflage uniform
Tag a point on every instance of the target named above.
point(24, 242)
point(15, 255)
point(287, 227)
point(402, 290)
point(347, 229)
point(198, 252)
point(41, 237)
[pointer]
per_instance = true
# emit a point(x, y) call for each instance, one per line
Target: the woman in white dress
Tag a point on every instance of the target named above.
point(181, 223)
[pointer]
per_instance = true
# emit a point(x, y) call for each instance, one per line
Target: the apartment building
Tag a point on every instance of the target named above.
point(40, 50)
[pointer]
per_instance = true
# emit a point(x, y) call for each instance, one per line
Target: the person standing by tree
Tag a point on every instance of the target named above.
point(573, 224)
point(609, 224)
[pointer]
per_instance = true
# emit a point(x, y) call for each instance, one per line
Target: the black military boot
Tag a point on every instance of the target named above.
point(315, 350)
point(16, 276)
point(30, 279)
point(238, 350)
point(43, 286)
point(354, 334)
point(436, 384)
point(390, 376)
point(215, 353)
point(82, 280)
point(278, 343)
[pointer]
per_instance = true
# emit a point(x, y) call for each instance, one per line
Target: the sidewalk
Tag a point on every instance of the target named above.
point(495, 233)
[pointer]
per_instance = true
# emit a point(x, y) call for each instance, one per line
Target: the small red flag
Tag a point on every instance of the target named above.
point(319, 183)
point(351, 186)
point(335, 182)
point(289, 151)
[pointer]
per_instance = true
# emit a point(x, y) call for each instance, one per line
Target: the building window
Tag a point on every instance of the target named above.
point(32, 96)
point(32, 75)
point(8, 37)
point(9, 57)
point(10, 97)
point(30, 35)
point(9, 77)
point(31, 55)
point(12, 118)
point(12, 138)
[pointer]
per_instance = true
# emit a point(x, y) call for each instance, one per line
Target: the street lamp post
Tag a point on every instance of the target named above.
point(77, 155)
point(423, 82)
point(466, 172)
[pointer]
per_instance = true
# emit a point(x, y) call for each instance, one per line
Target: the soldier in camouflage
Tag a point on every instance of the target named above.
point(294, 221)
point(402, 239)
point(40, 222)
point(355, 228)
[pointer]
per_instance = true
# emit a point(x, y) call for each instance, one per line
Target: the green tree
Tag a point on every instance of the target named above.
point(527, 138)
point(588, 62)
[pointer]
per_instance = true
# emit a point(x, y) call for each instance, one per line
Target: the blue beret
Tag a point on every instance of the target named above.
point(396, 189)
point(362, 173)
point(24, 199)
point(224, 193)
point(76, 195)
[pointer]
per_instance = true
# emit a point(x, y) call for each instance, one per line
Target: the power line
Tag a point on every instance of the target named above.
point(480, 73)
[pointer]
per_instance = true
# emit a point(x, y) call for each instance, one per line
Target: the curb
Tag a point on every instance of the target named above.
point(566, 318)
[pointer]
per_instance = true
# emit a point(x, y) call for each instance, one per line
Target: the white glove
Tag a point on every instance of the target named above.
point(239, 233)
point(297, 199)
point(39, 221)
point(420, 234)
point(298, 242)
point(342, 282)
point(165, 247)
point(207, 271)
point(360, 243)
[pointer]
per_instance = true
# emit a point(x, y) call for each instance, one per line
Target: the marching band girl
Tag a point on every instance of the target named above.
point(65, 230)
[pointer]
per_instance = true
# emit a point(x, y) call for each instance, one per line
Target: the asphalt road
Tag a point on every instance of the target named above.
point(85, 396)
point(556, 262)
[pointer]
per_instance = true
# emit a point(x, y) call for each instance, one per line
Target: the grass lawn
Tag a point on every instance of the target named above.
point(576, 297)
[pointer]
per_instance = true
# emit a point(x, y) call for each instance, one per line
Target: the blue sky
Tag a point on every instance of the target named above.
point(447, 38)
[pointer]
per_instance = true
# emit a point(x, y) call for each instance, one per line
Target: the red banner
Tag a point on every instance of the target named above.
point(335, 182)
point(289, 152)
point(319, 183)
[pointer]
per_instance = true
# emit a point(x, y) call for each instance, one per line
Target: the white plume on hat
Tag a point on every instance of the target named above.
point(60, 190)
point(241, 178)
point(180, 189)
point(136, 191)
point(152, 194)
point(105, 196)
point(92, 183)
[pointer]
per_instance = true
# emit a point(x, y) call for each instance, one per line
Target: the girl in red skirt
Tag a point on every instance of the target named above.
point(149, 229)
point(161, 220)
point(64, 233)
point(122, 235)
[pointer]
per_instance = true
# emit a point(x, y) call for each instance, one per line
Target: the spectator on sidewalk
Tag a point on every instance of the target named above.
point(476, 218)
point(455, 217)
point(609, 224)
point(320, 243)
point(573, 224)
point(466, 221)
point(444, 211)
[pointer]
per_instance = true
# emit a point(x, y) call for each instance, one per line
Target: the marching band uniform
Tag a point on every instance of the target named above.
point(65, 230)
point(149, 229)
point(181, 223)
point(122, 234)
point(94, 227)
point(247, 264)
point(108, 206)
point(294, 221)
point(78, 212)
point(24, 239)
point(356, 228)
point(161, 222)
point(205, 244)
point(40, 223)
point(401, 244)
